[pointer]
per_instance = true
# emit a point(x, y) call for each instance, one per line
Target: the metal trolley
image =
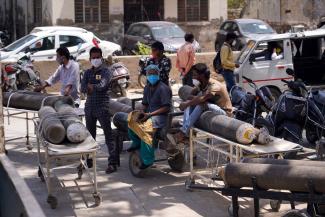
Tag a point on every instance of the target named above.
point(87, 148)
point(215, 151)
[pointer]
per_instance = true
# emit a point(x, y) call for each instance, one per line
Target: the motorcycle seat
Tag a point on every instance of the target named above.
point(319, 96)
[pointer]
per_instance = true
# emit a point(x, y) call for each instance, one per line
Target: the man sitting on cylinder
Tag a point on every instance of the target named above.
point(145, 126)
point(209, 94)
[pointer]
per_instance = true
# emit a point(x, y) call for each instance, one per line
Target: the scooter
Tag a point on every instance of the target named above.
point(120, 79)
point(20, 75)
point(249, 107)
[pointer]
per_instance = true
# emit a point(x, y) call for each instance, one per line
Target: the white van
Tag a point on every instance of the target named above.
point(304, 52)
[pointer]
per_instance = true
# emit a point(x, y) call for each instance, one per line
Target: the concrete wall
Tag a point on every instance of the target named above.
point(63, 11)
point(170, 9)
point(218, 9)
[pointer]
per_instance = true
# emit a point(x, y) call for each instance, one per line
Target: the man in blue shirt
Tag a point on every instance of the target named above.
point(157, 102)
point(96, 83)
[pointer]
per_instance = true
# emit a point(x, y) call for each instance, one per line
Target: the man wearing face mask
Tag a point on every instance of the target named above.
point(227, 61)
point(95, 83)
point(67, 73)
point(209, 94)
point(145, 126)
point(159, 59)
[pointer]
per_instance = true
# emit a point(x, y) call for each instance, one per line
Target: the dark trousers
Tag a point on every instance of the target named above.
point(229, 77)
point(188, 79)
point(105, 123)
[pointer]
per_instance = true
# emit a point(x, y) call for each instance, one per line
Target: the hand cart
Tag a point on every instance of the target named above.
point(53, 152)
point(210, 148)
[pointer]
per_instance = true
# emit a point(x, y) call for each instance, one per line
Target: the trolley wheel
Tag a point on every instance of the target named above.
point(134, 164)
point(40, 174)
point(53, 201)
point(188, 183)
point(275, 205)
point(177, 162)
point(29, 146)
point(230, 210)
point(98, 198)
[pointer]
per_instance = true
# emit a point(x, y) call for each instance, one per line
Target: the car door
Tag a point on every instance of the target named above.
point(269, 72)
point(72, 42)
point(43, 49)
point(221, 35)
point(132, 37)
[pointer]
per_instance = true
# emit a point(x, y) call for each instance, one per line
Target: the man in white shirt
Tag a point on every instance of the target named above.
point(67, 73)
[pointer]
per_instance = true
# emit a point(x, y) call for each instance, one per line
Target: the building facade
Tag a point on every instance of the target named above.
point(110, 18)
point(284, 13)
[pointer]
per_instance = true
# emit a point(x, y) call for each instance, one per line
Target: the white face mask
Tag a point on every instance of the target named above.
point(196, 82)
point(96, 62)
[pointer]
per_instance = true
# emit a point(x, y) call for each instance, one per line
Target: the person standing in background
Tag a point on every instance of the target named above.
point(186, 59)
point(227, 61)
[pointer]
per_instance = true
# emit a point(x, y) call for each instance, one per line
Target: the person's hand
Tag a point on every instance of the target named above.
point(237, 65)
point(182, 106)
point(38, 89)
point(67, 91)
point(143, 117)
point(90, 88)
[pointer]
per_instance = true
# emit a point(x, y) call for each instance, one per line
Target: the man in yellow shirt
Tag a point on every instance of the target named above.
point(227, 61)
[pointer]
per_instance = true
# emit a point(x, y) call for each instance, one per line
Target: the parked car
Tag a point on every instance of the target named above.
point(42, 42)
point(304, 52)
point(245, 29)
point(170, 34)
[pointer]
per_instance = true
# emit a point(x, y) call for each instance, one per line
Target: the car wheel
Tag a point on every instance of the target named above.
point(127, 52)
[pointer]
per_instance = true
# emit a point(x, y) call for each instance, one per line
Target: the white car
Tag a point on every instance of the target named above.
point(42, 42)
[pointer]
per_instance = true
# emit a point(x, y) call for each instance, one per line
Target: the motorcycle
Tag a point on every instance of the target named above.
point(142, 79)
point(120, 79)
point(315, 127)
point(249, 107)
point(20, 75)
point(4, 38)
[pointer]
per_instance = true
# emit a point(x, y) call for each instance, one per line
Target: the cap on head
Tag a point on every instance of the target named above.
point(152, 67)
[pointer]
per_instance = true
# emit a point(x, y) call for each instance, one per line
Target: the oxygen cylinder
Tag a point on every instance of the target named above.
point(115, 107)
point(52, 128)
point(120, 120)
point(185, 92)
point(76, 130)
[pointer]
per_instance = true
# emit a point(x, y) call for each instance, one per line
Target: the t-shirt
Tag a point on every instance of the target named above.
point(156, 97)
point(220, 95)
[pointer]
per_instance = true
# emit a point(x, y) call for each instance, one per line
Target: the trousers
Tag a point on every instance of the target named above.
point(229, 77)
point(105, 123)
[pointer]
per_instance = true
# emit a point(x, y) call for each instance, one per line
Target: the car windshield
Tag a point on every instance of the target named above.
point(168, 31)
point(256, 28)
point(19, 43)
point(245, 51)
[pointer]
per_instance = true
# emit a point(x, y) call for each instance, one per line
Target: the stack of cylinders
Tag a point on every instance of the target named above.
point(115, 107)
point(185, 92)
point(120, 120)
point(227, 127)
point(32, 100)
point(52, 128)
point(76, 130)
point(288, 177)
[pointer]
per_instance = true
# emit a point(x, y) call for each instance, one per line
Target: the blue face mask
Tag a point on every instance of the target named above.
point(153, 79)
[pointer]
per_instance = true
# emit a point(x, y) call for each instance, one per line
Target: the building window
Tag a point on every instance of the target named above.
point(91, 11)
point(193, 10)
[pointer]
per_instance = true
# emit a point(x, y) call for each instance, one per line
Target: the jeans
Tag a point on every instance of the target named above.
point(187, 79)
point(105, 123)
point(229, 77)
point(192, 114)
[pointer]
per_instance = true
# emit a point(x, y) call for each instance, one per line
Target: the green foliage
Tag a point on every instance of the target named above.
point(142, 49)
point(233, 4)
